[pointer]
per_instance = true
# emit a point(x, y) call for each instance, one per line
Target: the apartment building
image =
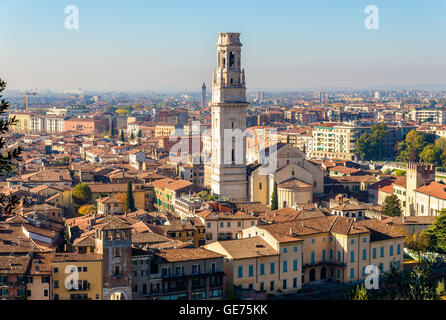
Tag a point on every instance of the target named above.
point(325, 248)
point(258, 264)
point(429, 115)
point(77, 276)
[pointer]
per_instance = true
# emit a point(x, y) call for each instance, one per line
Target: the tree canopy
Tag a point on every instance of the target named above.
point(436, 233)
point(81, 195)
point(371, 146)
point(129, 200)
point(8, 157)
point(392, 206)
point(274, 199)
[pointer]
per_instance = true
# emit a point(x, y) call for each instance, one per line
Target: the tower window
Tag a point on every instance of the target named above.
point(233, 156)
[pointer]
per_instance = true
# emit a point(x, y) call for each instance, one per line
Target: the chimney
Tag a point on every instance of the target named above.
point(291, 231)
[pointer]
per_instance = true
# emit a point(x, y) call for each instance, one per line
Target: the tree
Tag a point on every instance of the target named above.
point(122, 136)
point(371, 146)
point(112, 128)
point(417, 242)
point(8, 157)
point(129, 200)
point(432, 154)
point(392, 206)
point(132, 136)
point(81, 195)
point(436, 233)
point(274, 200)
point(360, 293)
point(411, 148)
point(399, 173)
point(87, 210)
point(139, 133)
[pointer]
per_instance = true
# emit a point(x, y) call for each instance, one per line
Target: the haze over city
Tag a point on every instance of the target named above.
point(142, 45)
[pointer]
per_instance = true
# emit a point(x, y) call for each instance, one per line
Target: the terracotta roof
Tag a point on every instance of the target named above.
point(379, 230)
point(434, 189)
point(248, 248)
point(187, 254)
point(72, 256)
point(293, 183)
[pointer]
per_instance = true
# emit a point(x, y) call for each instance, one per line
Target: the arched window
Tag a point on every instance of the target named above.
point(260, 186)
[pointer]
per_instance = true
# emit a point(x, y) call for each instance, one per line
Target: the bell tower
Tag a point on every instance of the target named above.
point(228, 178)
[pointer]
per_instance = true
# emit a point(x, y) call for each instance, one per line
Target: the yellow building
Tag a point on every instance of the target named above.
point(336, 248)
point(256, 263)
point(23, 120)
point(164, 130)
point(77, 276)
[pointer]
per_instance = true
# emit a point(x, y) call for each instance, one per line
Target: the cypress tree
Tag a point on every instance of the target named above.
point(274, 200)
point(129, 200)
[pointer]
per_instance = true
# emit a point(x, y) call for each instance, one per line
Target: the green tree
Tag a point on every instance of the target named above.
point(391, 206)
point(274, 199)
point(122, 136)
point(112, 128)
point(432, 154)
point(360, 293)
point(399, 173)
point(411, 148)
point(81, 195)
point(371, 146)
point(8, 157)
point(132, 136)
point(129, 200)
point(436, 233)
point(139, 133)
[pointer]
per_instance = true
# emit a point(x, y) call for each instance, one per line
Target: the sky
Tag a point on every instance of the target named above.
point(170, 44)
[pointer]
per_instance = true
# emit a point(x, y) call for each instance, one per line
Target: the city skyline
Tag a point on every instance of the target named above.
point(169, 45)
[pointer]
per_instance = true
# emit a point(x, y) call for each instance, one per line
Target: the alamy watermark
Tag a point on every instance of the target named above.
point(72, 20)
point(371, 22)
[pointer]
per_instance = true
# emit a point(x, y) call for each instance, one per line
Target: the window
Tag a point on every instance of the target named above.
point(381, 268)
point(294, 282)
point(208, 224)
point(398, 249)
point(363, 271)
point(272, 267)
point(323, 255)
point(240, 272)
point(312, 257)
point(312, 240)
point(221, 224)
point(239, 224)
point(56, 296)
point(352, 273)
point(285, 266)
point(271, 286)
point(331, 254)
point(364, 254)
point(228, 224)
point(352, 256)
point(339, 255)
point(196, 269)
point(295, 265)
point(285, 250)
point(374, 253)
point(364, 239)
point(85, 269)
point(56, 270)
point(214, 267)
point(398, 265)
point(260, 186)
point(391, 250)
point(262, 269)
point(262, 286)
point(338, 274)
point(295, 248)
point(284, 284)
point(56, 284)
point(45, 293)
point(382, 251)
point(352, 241)
point(251, 271)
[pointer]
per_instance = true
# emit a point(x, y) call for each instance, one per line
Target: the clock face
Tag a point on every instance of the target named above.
point(231, 59)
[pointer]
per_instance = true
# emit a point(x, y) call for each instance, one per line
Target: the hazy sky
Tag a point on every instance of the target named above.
point(134, 44)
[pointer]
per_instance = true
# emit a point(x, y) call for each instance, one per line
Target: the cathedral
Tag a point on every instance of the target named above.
point(227, 174)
